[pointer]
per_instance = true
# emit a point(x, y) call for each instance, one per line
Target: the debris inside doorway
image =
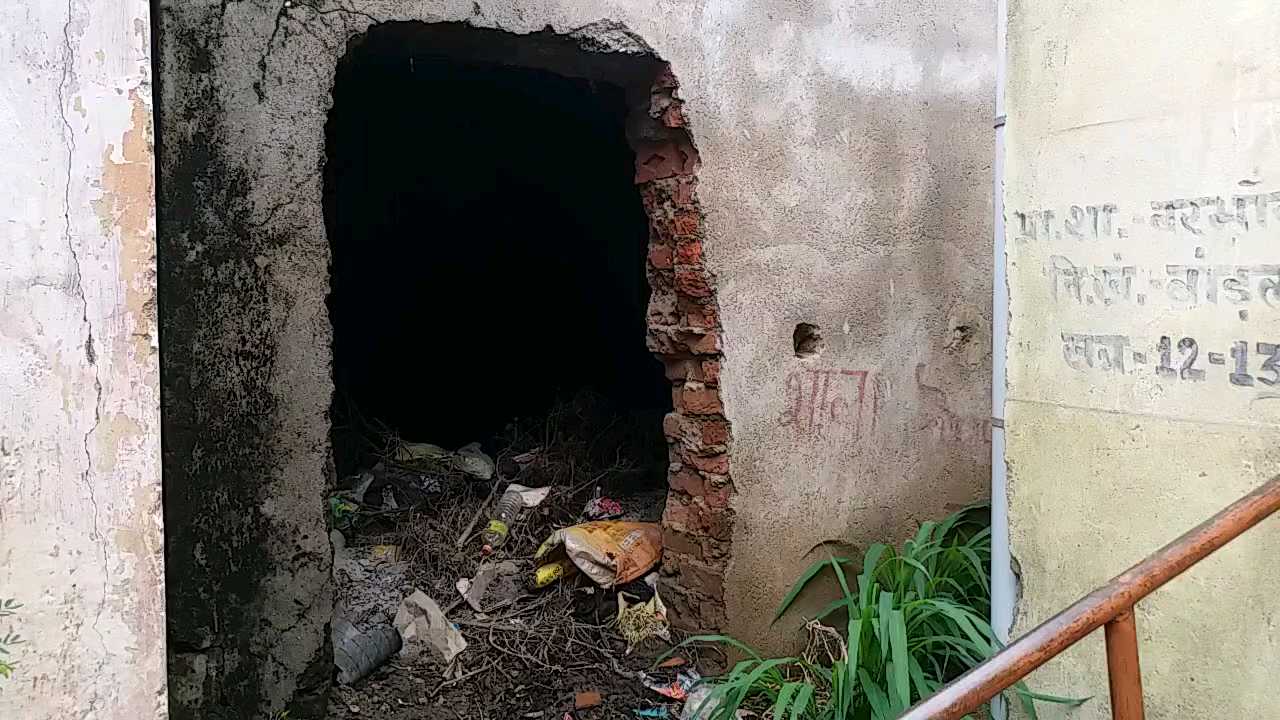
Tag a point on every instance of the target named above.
point(488, 642)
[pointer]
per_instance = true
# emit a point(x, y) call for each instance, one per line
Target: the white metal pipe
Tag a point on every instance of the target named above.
point(1003, 589)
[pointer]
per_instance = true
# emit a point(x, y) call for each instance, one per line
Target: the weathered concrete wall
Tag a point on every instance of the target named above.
point(81, 540)
point(845, 156)
point(1167, 134)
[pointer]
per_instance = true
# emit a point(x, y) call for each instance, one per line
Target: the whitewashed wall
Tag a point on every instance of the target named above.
point(81, 541)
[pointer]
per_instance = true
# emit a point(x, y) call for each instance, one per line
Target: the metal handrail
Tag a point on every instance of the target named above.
point(1110, 605)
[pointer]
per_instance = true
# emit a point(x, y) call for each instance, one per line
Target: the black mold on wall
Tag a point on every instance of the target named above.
point(219, 348)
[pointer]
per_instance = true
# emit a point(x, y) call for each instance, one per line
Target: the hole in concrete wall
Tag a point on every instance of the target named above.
point(515, 234)
point(807, 340)
point(488, 266)
point(488, 250)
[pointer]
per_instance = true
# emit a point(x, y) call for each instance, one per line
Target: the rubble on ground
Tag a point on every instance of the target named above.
point(478, 635)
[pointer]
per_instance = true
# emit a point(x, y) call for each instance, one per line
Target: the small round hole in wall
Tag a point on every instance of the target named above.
point(807, 340)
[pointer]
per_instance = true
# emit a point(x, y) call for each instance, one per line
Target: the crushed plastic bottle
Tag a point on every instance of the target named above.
point(356, 652)
point(504, 514)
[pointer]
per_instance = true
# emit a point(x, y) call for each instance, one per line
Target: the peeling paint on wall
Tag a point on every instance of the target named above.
point(81, 535)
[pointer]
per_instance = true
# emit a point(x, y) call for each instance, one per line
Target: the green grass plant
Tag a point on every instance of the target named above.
point(913, 618)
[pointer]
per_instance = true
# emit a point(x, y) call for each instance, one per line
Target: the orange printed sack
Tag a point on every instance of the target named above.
point(610, 552)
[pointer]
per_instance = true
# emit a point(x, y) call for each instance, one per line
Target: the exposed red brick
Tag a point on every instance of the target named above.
point(688, 251)
point(719, 525)
point(697, 312)
point(715, 548)
point(700, 400)
point(674, 541)
point(704, 578)
point(678, 514)
point(681, 606)
point(687, 480)
point(714, 432)
point(672, 425)
point(703, 344)
point(712, 615)
point(673, 116)
point(717, 497)
point(660, 257)
point(693, 283)
point(711, 371)
point(684, 331)
point(683, 368)
point(660, 342)
point(684, 190)
point(652, 201)
point(718, 464)
point(655, 161)
point(685, 223)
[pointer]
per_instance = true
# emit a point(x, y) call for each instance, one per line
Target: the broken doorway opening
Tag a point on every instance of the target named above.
point(488, 251)
point(517, 276)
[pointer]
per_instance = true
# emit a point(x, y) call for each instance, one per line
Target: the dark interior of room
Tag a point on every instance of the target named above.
point(488, 249)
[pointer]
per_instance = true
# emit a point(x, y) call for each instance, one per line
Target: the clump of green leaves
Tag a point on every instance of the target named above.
point(8, 608)
point(915, 619)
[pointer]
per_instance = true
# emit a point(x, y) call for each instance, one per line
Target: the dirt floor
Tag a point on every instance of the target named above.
point(530, 653)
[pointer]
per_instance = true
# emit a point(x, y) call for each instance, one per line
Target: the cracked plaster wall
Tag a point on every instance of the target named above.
point(81, 539)
point(845, 177)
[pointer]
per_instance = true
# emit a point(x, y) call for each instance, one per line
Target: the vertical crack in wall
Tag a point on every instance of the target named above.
point(65, 84)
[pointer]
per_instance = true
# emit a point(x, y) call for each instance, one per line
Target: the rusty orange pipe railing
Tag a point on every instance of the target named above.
point(1110, 605)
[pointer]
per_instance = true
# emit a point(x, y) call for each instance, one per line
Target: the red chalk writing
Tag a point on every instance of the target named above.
point(820, 401)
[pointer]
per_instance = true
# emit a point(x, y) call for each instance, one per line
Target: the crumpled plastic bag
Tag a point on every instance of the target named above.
point(469, 458)
point(643, 620)
point(423, 625)
point(610, 552)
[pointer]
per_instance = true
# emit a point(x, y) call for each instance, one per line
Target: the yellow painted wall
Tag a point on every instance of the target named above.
point(1143, 202)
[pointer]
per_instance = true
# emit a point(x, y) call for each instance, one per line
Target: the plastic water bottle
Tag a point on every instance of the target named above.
point(500, 522)
point(356, 652)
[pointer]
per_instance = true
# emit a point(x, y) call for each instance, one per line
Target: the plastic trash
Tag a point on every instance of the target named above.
point(515, 499)
point(679, 689)
point(602, 508)
point(362, 486)
point(553, 571)
point(699, 704)
point(473, 590)
point(384, 553)
point(408, 452)
point(610, 552)
point(422, 624)
point(643, 620)
point(471, 460)
point(356, 653)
